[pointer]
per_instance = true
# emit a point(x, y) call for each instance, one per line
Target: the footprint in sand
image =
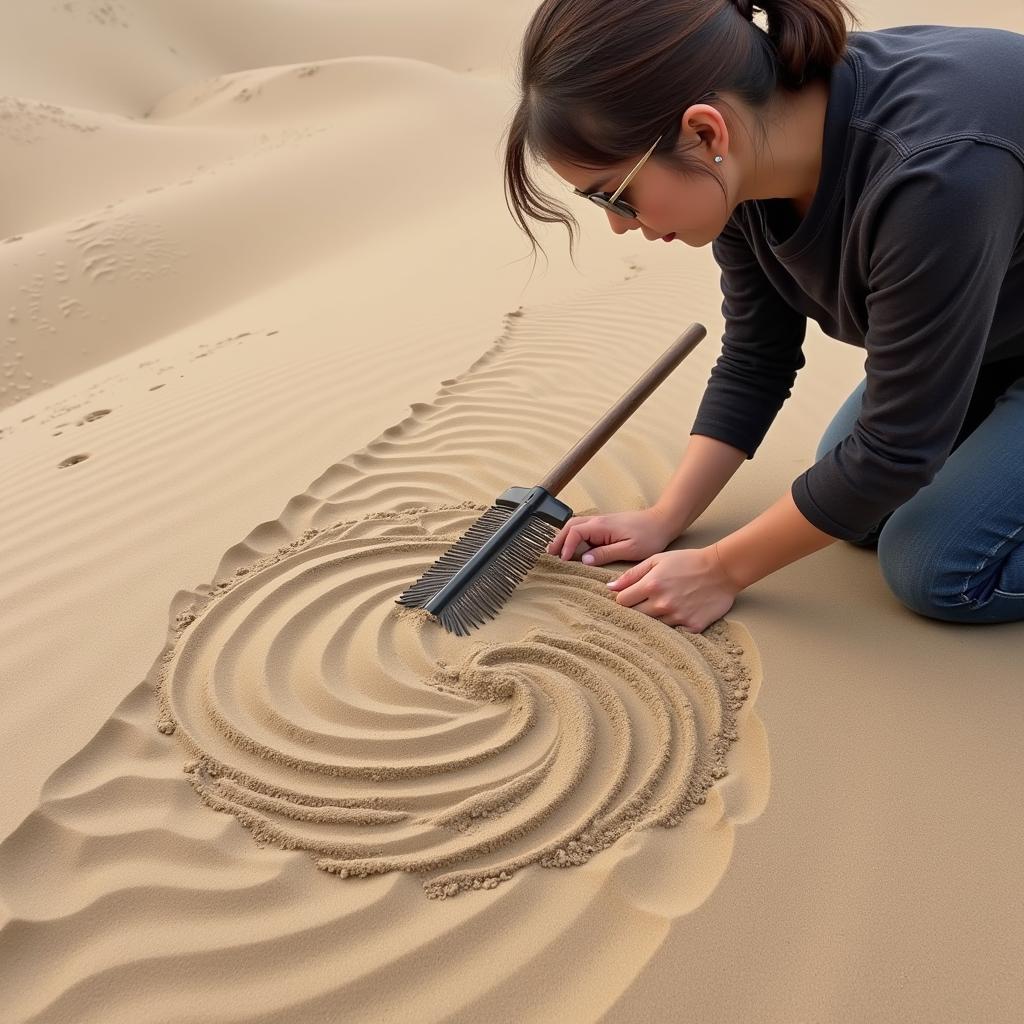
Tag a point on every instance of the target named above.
point(97, 414)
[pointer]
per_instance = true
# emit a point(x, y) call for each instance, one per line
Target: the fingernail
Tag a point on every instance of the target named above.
point(588, 558)
point(611, 583)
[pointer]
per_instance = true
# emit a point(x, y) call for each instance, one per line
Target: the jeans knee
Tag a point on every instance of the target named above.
point(905, 572)
point(911, 565)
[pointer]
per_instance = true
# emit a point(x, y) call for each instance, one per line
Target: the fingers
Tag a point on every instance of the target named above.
point(558, 540)
point(609, 553)
point(569, 538)
point(631, 588)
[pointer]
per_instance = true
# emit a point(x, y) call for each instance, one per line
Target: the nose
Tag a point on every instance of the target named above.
point(620, 225)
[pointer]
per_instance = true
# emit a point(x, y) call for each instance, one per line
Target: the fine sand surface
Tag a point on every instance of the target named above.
point(268, 348)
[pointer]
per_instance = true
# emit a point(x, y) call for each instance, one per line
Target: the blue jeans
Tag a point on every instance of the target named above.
point(955, 550)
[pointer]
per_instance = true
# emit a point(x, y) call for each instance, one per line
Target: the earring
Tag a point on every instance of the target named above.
point(719, 159)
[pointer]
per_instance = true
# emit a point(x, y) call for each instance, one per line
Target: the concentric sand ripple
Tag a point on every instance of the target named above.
point(329, 719)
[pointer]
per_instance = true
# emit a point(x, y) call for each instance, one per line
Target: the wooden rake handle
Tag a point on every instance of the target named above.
point(594, 438)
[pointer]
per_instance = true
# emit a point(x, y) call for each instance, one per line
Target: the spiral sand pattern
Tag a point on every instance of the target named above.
point(558, 728)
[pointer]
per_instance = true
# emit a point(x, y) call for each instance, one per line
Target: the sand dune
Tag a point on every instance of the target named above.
point(274, 146)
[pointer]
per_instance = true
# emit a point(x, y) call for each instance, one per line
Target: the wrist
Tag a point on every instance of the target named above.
point(675, 520)
point(718, 566)
point(778, 536)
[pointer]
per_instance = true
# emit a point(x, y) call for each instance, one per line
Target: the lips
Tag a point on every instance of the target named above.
point(668, 238)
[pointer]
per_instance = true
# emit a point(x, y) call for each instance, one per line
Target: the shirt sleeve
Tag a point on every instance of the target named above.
point(761, 349)
point(937, 239)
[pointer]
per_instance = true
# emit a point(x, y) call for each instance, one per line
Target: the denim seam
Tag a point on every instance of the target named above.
point(986, 560)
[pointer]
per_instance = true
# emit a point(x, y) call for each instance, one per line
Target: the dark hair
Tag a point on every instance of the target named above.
point(601, 79)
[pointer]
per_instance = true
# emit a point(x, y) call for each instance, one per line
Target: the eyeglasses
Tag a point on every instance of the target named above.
point(613, 202)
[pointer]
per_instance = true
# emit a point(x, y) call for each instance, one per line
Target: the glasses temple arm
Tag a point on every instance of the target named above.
point(629, 177)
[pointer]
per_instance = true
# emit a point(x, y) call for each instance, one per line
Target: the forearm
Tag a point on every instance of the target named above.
point(778, 536)
point(705, 468)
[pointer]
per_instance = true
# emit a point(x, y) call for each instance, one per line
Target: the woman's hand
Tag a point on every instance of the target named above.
point(687, 588)
point(619, 536)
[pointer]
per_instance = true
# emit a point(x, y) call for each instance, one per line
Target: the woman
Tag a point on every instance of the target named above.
point(873, 181)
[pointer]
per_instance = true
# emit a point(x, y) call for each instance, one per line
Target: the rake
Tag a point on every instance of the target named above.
point(473, 579)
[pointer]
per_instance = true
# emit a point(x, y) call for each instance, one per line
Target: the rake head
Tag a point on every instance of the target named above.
point(471, 581)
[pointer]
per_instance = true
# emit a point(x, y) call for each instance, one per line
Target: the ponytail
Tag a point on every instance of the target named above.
point(809, 36)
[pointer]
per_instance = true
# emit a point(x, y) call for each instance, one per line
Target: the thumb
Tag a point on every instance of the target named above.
point(631, 575)
point(609, 553)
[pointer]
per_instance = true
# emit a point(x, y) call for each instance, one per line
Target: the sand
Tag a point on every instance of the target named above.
point(270, 345)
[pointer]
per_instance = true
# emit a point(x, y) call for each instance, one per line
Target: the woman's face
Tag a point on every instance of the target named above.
point(687, 208)
point(669, 205)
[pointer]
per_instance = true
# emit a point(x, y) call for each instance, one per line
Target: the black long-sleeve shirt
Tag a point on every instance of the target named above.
point(912, 249)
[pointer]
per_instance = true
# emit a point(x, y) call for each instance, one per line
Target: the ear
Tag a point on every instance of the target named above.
point(703, 122)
